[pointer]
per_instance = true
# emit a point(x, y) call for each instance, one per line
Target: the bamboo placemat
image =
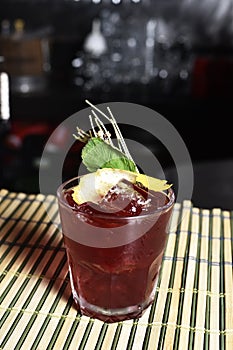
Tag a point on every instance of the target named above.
point(193, 308)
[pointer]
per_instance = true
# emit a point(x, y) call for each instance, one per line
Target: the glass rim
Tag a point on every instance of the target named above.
point(164, 208)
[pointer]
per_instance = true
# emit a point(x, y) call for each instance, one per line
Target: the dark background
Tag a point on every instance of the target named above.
point(190, 82)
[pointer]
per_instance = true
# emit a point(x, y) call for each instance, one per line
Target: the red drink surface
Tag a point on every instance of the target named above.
point(114, 283)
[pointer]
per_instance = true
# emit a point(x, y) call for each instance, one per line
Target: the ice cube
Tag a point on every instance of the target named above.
point(124, 200)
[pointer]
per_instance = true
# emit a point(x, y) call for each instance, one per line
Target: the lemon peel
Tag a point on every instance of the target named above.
point(85, 191)
point(152, 183)
point(94, 186)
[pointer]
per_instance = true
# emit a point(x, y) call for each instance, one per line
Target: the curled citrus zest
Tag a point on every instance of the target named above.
point(152, 183)
point(94, 186)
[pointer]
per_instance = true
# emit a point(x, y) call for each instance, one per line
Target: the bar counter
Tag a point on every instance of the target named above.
point(193, 307)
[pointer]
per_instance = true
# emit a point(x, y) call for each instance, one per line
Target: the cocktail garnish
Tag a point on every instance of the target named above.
point(99, 150)
point(107, 162)
point(94, 186)
point(100, 154)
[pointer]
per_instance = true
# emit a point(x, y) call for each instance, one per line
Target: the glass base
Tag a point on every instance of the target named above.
point(112, 315)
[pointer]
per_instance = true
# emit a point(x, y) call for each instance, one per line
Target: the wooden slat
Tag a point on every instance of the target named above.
point(215, 280)
point(179, 265)
point(202, 282)
point(189, 284)
point(227, 227)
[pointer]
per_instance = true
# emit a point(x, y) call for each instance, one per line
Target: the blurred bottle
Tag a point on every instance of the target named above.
point(4, 99)
point(5, 28)
point(4, 116)
point(24, 55)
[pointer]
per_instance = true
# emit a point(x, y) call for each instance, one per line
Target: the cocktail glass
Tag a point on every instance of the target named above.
point(113, 260)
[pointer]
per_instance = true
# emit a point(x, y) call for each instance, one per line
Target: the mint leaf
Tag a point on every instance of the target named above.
point(121, 163)
point(97, 154)
point(90, 146)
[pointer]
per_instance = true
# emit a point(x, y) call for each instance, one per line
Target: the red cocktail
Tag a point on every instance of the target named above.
point(115, 248)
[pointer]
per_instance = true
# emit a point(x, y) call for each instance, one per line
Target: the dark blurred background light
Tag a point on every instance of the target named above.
point(175, 57)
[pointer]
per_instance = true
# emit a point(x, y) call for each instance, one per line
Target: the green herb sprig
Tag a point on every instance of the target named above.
point(99, 150)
